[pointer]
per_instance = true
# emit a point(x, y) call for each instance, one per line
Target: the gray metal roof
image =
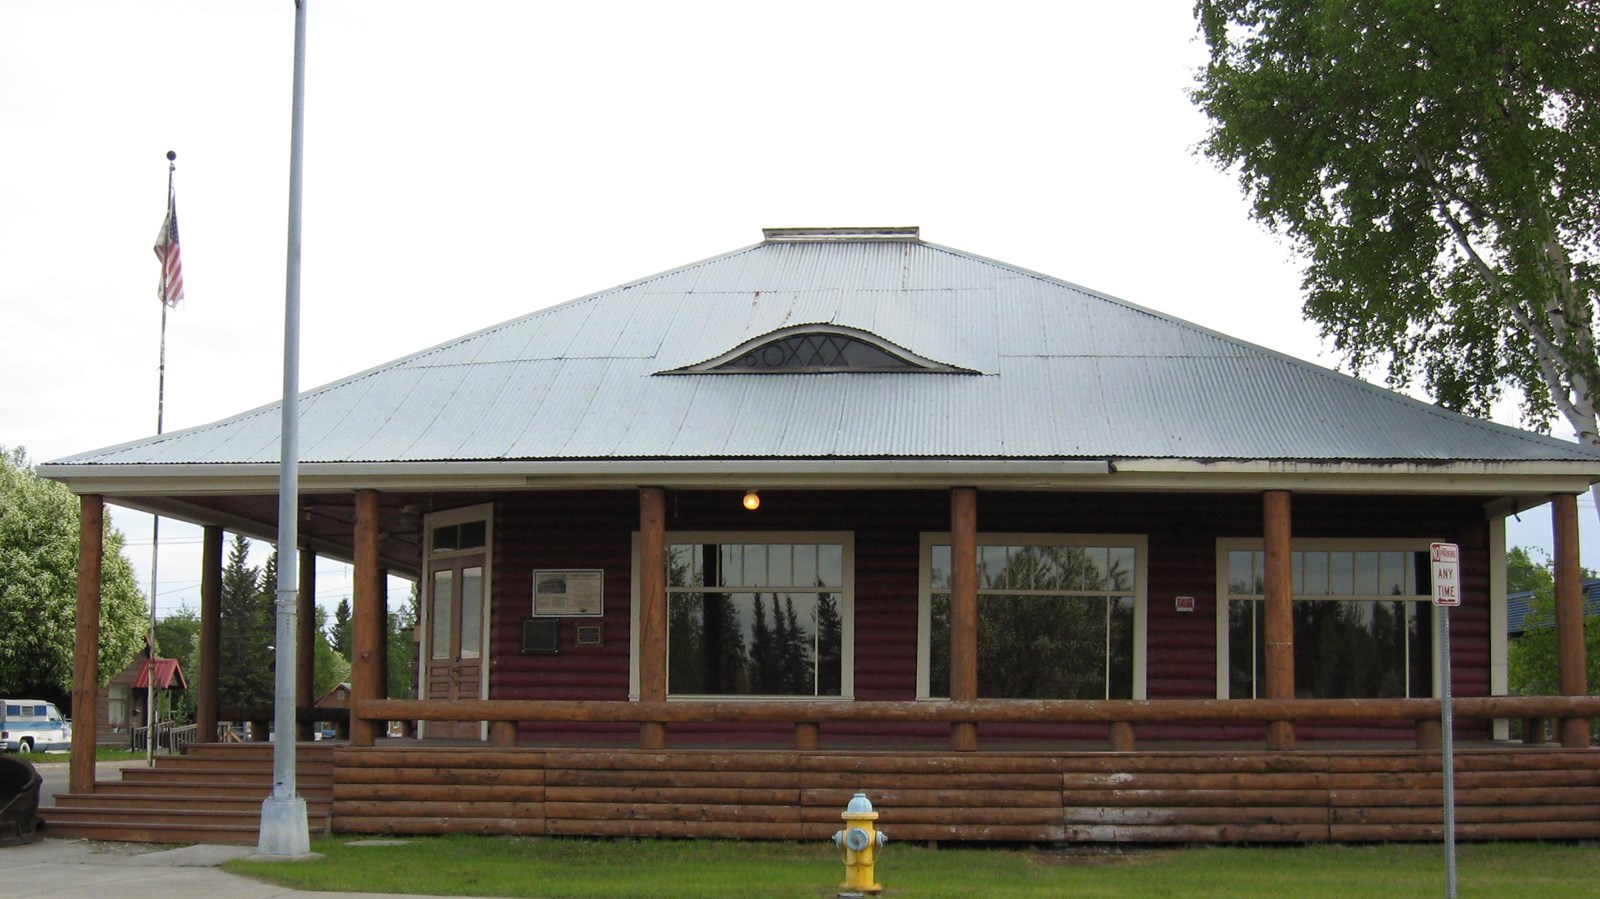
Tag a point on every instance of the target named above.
point(1062, 372)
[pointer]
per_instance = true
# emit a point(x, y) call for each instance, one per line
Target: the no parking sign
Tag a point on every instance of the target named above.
point(1446, 574)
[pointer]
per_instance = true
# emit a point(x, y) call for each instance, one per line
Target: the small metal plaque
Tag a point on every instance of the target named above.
point(541, 636)
point(589, 635)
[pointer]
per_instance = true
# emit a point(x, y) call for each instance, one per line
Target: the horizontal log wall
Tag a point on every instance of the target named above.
point(1304, 796)
point(592, 530)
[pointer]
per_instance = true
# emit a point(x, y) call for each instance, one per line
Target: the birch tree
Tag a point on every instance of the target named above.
point(1435, 164)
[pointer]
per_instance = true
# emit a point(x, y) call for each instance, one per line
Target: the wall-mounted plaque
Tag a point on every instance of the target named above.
point(589, 635)
point(541, 636)
point(569, 593)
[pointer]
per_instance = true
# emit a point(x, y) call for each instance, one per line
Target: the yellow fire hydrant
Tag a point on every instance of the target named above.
point(862, 843)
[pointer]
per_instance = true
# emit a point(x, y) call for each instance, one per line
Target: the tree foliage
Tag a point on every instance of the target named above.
point(1534, 670)
point(402, 673)
point(39, 523)
point(339, 633)
point(328, 668)
point(178, 637)
point(1435, 163)
point(244, 677)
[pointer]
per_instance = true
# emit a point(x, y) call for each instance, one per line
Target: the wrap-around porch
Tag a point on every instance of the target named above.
point(1274, 768)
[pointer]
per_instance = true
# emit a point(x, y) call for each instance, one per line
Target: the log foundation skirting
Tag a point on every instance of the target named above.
point(1273, 797)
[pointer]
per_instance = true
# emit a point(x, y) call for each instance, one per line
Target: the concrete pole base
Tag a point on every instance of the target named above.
point(284, 833)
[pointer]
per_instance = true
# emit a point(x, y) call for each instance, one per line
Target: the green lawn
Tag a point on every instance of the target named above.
point(101, 754)
point(557, 868)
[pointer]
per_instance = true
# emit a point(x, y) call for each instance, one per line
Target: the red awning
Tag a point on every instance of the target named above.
point(167, 671)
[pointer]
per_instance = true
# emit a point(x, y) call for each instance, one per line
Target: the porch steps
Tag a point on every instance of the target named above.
point(211, 794)
point(1310, 795)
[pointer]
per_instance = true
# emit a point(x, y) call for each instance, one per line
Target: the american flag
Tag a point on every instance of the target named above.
point(171, 288)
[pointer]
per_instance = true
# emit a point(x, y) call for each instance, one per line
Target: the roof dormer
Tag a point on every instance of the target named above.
point(818, 349)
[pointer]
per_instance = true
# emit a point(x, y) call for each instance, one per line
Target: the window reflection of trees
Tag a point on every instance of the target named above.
point(753, 642)
point(1047, 626)
point(1364, 647)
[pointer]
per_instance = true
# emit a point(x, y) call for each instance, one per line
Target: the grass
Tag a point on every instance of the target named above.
point(101, 754)
point(560, 868)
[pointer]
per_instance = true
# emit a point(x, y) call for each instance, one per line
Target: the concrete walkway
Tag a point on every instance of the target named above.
point(81, 869)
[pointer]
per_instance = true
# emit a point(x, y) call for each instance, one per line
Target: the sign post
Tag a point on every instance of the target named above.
point(1447, 593)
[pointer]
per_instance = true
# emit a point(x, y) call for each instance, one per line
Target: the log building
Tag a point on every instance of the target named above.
point(704, 553)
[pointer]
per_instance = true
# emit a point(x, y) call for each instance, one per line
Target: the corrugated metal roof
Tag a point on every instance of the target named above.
point(1063, 372)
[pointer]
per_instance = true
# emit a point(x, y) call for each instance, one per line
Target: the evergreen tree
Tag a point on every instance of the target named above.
point(794, 651)
point(402, 673)
point(245, 674)
point(766, 674)
point(830, 646)
point(329, 669)
point(339, 635)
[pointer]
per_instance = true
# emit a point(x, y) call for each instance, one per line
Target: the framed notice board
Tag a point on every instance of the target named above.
point(569, 593)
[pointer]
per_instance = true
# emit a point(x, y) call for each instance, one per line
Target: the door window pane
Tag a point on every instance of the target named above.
point(439, 614)
point(471, 609)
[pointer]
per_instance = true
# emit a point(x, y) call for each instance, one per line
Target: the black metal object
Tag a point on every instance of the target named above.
point(541, 636)
point(19, 801)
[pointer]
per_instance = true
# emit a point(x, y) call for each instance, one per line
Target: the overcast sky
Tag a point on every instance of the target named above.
point(469, 162)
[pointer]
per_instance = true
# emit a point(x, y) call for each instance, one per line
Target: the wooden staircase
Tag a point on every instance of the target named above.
point(210, 794)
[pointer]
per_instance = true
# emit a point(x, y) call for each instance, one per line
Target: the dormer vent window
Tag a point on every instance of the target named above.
point(806, 349)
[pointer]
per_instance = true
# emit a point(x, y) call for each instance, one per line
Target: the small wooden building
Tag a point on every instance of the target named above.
point(845, 491)
point(121, 706)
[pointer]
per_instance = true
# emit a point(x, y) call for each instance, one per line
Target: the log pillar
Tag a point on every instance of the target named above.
point(503, 734)
point(963, 611)
point(652, 609)
point(1430, 734)
point(86, 643)
point(1570, 656)
point(364, 635)
point(1279, 611)
point(1120, 738)
point(305, 646)
point(205, 696)
point(807, 735)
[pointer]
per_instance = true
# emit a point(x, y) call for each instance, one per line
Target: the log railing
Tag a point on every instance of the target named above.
point(808, 717)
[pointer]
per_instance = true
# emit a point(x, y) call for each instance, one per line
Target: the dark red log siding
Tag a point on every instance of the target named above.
point(536, 530)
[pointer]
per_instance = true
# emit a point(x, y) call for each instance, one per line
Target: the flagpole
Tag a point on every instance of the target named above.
point(155, 521)
point(284, 830)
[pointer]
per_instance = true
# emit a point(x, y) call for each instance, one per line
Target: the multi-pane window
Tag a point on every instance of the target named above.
point(756, 618)
point(1361, 623)
point(1057, 618)
point(824, 351)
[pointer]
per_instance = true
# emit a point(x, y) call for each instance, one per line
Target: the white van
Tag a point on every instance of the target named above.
point(33, 725)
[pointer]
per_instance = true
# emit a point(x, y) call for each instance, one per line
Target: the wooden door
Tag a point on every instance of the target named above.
point(455, 637)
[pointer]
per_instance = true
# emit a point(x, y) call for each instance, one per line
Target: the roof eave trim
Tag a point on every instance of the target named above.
point(1180, 475)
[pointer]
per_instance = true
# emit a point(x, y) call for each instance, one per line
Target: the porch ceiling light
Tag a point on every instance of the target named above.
point(752, 500)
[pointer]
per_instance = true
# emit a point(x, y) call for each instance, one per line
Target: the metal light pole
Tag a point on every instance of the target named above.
point(284, 832)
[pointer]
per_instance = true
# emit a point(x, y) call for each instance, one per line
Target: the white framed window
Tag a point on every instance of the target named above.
point(757, 614)
point(1060, 616)
point(1363, 620)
